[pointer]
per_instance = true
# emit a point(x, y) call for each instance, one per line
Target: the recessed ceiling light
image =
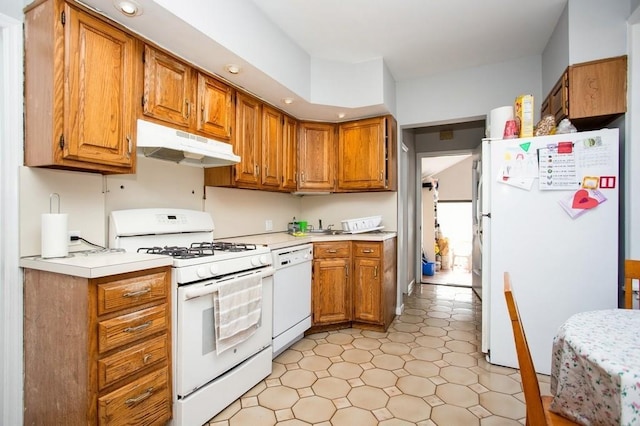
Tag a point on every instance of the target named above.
point(232, 68)
point(287, 101)
point(341, 115)
point(128, 7)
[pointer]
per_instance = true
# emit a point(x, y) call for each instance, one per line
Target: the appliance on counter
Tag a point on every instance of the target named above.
point(204, 381)
point(546, 212)
point(291, 295)
point(177, 146)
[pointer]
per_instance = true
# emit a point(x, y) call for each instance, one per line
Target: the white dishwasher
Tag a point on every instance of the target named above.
point(291, 295)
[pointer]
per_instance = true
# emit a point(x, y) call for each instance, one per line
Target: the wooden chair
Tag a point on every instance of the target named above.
point(631, 272)
point(538, 413)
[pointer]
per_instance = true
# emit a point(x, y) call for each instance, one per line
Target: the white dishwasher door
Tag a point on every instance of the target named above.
point(291, 295)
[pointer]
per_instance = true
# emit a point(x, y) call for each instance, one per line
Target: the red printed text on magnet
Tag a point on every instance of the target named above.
point(607, 182)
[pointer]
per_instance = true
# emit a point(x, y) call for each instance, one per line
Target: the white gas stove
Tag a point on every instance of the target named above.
point(187, 236)
point(208, 372)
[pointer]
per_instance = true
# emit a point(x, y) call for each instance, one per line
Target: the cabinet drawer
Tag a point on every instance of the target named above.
point(127, 362)
point(146, 401)
point(366, 249)
point(128, 328)
point(130, 292)
point(329, 250)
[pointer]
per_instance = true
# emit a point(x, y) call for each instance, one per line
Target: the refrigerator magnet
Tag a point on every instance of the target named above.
point(607, 182)
point(582, 201)
point(565, 147)
point(590, 182)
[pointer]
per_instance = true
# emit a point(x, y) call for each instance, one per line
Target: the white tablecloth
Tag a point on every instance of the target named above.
point(595, 370)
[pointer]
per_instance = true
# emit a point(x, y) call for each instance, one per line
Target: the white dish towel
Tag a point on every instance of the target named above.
point(237, 311)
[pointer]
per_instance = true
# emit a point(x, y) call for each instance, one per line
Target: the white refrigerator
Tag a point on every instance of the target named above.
point(546, 212)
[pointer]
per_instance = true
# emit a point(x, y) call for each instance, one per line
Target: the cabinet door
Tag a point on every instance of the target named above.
point(361, 154)
point(558, 99)
point(215, 108)
point(290, 154)
point(367, 287)
point(598, 88)
point(247, 141)
point(331, 291)
point(316, 156)
point(99, 116)
point(271, 147)
point(167, 88)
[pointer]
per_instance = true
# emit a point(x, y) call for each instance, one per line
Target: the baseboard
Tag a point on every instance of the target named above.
point(399, 309)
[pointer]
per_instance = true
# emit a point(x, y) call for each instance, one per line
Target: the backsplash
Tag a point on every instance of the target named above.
point(89, 198)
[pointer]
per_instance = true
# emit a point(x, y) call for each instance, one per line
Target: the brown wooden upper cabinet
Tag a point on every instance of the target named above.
point(590, 94)
point(289, 154)
point(247, 142)
point(316, 157)
point(80, 75)
point(272, 147)
point(366, 153)
point(177, 94)
point(266, 141)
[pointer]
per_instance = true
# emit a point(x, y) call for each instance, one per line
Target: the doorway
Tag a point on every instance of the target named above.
point(444, 174)
point(453, 234)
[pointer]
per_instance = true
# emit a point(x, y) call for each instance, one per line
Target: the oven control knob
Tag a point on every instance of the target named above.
point(259, 260)
point(201, 272)
point(214, 269)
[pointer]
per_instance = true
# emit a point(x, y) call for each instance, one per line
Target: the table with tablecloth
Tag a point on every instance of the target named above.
point(595, 371)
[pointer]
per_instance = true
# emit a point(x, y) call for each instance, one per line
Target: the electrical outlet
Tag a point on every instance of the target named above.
point(74, 234)
point(268, 225)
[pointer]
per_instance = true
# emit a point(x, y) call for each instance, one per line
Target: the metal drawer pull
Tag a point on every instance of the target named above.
point(375, 274)
point(367, 251)
point(133, 401)
point(332, 251)
point(137, 293)
point(147, 358)
point(138, 328)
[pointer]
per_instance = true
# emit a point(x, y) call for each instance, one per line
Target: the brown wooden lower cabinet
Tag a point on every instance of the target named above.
point(354, 285)
point(97, 351)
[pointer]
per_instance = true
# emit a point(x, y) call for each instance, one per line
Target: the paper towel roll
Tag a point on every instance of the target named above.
point(55, 238)
point(498, 117)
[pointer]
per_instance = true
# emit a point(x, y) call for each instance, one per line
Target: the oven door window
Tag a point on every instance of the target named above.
point(197, 362)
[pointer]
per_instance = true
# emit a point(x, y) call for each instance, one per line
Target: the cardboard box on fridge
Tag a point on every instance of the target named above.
point(524, 115)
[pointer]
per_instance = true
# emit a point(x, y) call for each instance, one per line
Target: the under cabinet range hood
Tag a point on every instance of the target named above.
point(168, 144)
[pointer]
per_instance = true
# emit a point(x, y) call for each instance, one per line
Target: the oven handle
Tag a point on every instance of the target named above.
point(210, 289)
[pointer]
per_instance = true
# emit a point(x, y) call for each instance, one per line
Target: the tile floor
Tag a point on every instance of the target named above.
point(425, 370)
point(455, 276)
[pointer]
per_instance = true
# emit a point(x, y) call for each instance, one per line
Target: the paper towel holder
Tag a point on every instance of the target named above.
point(51, 197)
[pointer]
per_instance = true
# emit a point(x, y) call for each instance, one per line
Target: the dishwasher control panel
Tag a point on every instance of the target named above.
point(292, 255)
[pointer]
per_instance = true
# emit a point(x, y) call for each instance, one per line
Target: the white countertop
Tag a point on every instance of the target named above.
point(278, 240)
point(96, 265)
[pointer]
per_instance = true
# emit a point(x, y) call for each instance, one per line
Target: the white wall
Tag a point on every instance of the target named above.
point(81, 197)
point(335, 208)
point(238, 212)
point(597, 29)
point(467, 94)
point(555, 57)
point(454, 183)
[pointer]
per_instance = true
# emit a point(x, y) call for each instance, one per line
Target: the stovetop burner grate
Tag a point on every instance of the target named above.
point(177, 252)
point(224, 246)
point(201, 249)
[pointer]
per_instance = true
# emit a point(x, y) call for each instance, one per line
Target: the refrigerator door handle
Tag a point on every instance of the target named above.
point(486, 215)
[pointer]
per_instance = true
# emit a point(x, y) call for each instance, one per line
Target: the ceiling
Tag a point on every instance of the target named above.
point(417, 38)
point(433, 165)
point(414, 38)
